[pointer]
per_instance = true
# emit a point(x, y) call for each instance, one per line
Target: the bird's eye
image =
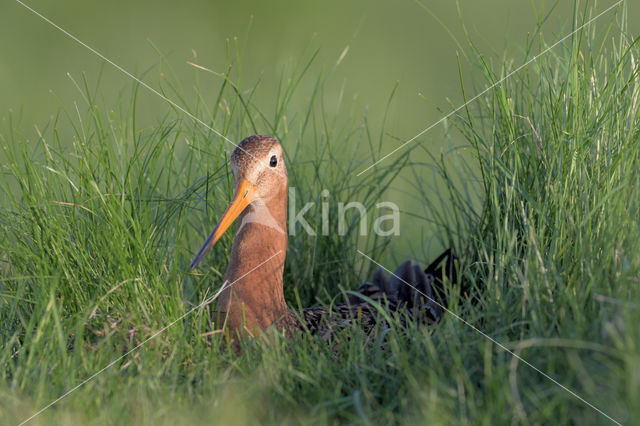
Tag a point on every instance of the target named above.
point(274, 161)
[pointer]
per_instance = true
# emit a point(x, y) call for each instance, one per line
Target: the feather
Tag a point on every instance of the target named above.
point(414, 293)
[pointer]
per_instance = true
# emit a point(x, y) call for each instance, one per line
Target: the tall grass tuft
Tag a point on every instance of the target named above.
point(101, 215)
point(551, 237)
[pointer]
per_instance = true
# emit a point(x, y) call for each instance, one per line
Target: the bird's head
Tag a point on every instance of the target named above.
point(259, 173)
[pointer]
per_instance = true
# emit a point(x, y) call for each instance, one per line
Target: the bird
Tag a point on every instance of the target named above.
point(251, 300)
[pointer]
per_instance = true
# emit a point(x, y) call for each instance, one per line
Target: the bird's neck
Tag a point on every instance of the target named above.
point(253, 299)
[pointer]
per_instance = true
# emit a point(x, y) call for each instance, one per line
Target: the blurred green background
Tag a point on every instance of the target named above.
point(380, 42)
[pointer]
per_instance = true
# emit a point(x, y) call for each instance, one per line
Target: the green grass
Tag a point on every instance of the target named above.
point(101, 217)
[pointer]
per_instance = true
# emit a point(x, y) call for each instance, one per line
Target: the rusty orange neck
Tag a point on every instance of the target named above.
point(254, 298)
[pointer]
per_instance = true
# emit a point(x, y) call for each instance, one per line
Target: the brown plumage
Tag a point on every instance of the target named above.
point(252, 298)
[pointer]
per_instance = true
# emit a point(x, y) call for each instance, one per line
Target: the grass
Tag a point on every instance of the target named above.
point(101, 217)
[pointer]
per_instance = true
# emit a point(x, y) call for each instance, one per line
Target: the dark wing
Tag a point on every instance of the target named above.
point(443, 268)
point(410, 290)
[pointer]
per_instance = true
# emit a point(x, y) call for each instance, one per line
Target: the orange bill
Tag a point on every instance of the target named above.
point(244, 195)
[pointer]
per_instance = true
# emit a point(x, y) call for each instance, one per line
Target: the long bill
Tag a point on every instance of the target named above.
point(244, 195)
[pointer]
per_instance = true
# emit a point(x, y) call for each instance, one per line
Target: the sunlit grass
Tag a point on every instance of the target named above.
point(100, 224)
